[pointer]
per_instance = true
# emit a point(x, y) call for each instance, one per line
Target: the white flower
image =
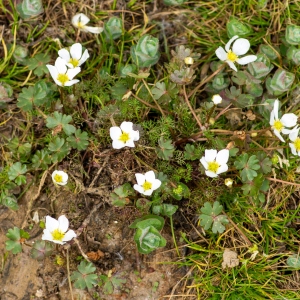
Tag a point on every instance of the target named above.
point(240, 47)
point(60, 177)
point(146, 183)
point(228, 182)
point(216, 99)
point(294, 137)
point(189, 60)
point(124, 136)
point(215, 163)
point(56, 230)
point(80, 21)
point(278, 126)
point(76, 59)
point(60, 73)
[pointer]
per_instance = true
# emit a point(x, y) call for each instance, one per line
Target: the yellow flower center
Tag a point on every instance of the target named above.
point(213, 166)
point(57, 235)
point(58, 178)
point(63, 78)
point(147, 185)
point(278, 125)
point(124, 137)
point(74, 62)
point(232, 56)
point(297, 144)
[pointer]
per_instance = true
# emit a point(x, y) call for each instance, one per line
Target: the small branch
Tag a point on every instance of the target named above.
point(69, 278)
point(282, 181)
point(190, 107)
point(80, 249)
point(99, 171)
point(239, 230)
point(222, 112)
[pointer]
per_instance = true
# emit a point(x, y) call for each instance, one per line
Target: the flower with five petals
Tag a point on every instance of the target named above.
point(80, 21)
point(124, 136)
point(74, 58)
point(147, 183)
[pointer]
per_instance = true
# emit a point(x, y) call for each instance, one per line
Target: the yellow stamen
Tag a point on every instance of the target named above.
point(57, 235)
point(147, 185)
point(232, 56)
point(213, 166)
point(124, 137)
point(74, 62)
point(58, 178)
point(297, 144)
point(63, 78)
point(278, 125)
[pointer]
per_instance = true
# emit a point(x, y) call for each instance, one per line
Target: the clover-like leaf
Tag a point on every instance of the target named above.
point(38, 64)
point(143, 204)
point(31, 95)
point(41, 249)
point(168, 209)
point(79, 141)
point(237, 27)
point(41, 159)
point(17, 236)
point(8, 200)
point(293, 261)
point(292, 34)
point(16, 172)
point(30, 8)
point(183, 76)
point(59, 148)
point(252, 187)
point(249, 166)
point(15, 144)
point(191, 152)
point(166, 149)
point(211, 215)
point(264, 162)
point(61, 121)
point(83, 277)
point(164, 94)
point(120, 194)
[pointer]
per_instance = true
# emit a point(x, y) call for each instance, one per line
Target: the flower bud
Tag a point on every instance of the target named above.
point(189, 60)
point(216, 99)
point(253, 134)
point(275, 159)
point(211, 121)
point(228, 182)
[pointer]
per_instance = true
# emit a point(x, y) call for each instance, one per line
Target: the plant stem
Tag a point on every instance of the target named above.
point(222, 112)
point(282, 181)
point(173, 234)
point(191, 109)
point(210, 113)
point(62, 98)
point(69, 278)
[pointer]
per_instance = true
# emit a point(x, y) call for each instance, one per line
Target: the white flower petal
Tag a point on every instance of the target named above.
point(51, 224)
point(222, 157)
point(150, 176)
point(148, 192)
point(71, 82)
point(136, 136)
point(227, 47)
point(241, 47)
point(115, 133)
point(289, 120)
point(231, 65)
point(286, 131)
point(277, 133)
point(130, 143)
point(293, 148)
point(76, 51)
point(64, 54)
point(139, 188)
point(204, 162)
point(75, 20)
point(73, 72)
point(276, 107)
point(60, 65)
point(272, 118)
point(210, 155)
point(221, 54)
point(126, 126)
point(247, 59)
point(65, 176)
point(63, 223)
point(69, 236)
point(222, 169)
point(116, 144)
point(294, 133)
point(94, 29)
point(84, 57)
point(140, 178)
point(47, 236)
point(83, 19)
point(217, 99)
point(54, 73)
point(156, 184)
point(211, 174)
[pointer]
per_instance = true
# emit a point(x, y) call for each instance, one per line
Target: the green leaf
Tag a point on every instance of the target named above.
point(143, 204)
point(210, 215)
point(118, 197)
point(264, 162)
point(248, 165)
point(191, 152)
point(163, 94)
point(293, 261)
point(41, 159)
point(38, 64)
point(113, 28)
point(292, 34)
point(180, 192)
point(169, 209)
point(9, 201)
point(79, 141)
point(165, 150)
point(237, 27)
point(61, 120)
point(15, 173)
point(252, 187)
point(16, 237)
point(84, 278)
point(31, 95)
point(23, 149)
point(118, 279)
point(59, 148)
point(41, 249)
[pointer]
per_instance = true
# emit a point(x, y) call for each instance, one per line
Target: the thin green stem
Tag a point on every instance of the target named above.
point(173, 234)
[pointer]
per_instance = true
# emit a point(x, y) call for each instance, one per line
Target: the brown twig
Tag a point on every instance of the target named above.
point(69, 278)
point(99, 171)
point(190, 107)
point(282, 181)
point(222, 112)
